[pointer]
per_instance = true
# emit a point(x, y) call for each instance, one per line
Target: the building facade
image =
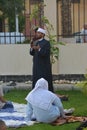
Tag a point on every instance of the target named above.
point(66, 16)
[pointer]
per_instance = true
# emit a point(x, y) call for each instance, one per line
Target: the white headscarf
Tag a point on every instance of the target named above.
point(40, 96)
point(42, 84)
point(41, 30)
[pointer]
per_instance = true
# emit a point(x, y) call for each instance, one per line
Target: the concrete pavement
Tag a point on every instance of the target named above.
point(28, 85)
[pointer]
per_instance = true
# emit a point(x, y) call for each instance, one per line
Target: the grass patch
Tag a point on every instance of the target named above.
point(77, 99)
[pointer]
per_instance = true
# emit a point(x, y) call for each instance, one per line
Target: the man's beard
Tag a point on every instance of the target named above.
point(38, 37)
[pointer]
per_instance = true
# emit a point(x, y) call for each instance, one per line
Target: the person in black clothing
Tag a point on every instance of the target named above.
point(40, 50)
point(82, 125)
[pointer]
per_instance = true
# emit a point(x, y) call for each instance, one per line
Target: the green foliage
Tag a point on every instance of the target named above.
point(85, 128)
point(83, 85)
point(36, 14)
point(9, 9)
point(27, 41)
point(21, 22)
point(54, 48)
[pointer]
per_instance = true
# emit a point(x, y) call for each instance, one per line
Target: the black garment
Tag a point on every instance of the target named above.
point(41, 63)
point(8, 105)
point(82, 126)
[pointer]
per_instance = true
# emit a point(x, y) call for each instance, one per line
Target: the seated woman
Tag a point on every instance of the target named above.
point(3, 103)
point(43, 104)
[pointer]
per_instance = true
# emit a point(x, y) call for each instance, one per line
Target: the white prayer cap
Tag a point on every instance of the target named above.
point(41, 30)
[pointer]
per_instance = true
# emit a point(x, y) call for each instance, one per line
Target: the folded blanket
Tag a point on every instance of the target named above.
point(15, 118)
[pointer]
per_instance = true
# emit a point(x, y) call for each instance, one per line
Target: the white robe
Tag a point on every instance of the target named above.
point(45, 105)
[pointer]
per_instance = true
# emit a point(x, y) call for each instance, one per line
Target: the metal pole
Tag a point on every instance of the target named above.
point(17, 23)
point(16, 20)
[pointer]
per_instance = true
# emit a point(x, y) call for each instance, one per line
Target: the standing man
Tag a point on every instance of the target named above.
point(84, 34)
point(40, 50)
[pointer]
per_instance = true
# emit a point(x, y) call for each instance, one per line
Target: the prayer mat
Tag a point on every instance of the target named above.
point(69, 119)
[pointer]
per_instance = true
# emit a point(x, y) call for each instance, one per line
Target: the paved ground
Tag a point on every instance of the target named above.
point(28, 85)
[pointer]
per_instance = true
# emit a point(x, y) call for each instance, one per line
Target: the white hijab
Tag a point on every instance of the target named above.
point(40, 96)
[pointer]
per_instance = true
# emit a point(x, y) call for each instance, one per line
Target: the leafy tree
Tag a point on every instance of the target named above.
point(9, 9)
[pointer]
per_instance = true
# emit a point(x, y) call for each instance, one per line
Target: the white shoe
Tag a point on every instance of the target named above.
point(69, 111)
